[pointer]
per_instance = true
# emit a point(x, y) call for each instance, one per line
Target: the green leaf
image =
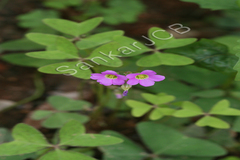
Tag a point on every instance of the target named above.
point(19, 45)
point(77, 138)
point(231, 41)
point(166, 40)
point(236, 125)
point(163, 140)
point(58, 119)
point(196, 76)
point(215, 4)
point(66, 104)
point(18, 157)
point(212, 122)
point(105, 55)
point(128, 150)
point(121, 11)
point(158, 113)
point(41, 114)
point(209, 93)
point(121, 47)
point(171, 87)
point(222, 108)
point(73, 28)
point(189, 110)
point(138, 108)
point(158, 99)
point(237, 68)
point(51, 55)
point(34, 19)
point(70, 68)
point(71, 128)
point(208, 54)
point(62, 4)
point(64, 50)
point(98, 39)
point(43, 39)
point(22, 60)
point(5, 135)
point(169, 59)
point(129, 47)
point(231, 158)
point(26, 140)
point(64, 155)
point(62, 103)
point(223, 137)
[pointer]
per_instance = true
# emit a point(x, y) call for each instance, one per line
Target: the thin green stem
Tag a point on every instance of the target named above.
point(38, 92)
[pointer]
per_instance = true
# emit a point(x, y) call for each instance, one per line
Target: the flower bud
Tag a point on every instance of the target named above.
point(125, 93)
point(118, 94)
point(126, 87)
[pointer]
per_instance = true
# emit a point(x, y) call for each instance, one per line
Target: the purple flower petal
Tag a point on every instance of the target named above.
point(96, 76)
point(148, 72)
point(156, 77)
point(118, 81)
point(132, 75)
point(125, 93)
point(122, 77)
point(106, 81)
point(109, 72)
point(146, 82)
point(133, 81)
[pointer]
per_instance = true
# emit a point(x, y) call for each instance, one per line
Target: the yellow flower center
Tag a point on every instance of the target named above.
point(142, 76)
point(111, 76)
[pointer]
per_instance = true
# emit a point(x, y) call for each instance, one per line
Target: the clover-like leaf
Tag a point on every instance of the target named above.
point(61, 4)
point(138, 108)
point(78, 138)
point(129, 47)
point(98, 39)
point(22, 60)
point(158, 113)
point(26, 140)
point(158, 99)
point(41, 114)
point(208, 54)
point(128, 150)
point(73, 28)
point(215, 4)
point(164, 40)
point(62, 103)
point(70, 68)
point(43, 39)
point(20, 45)
point(223, 108)
point(169, 59)
point(64, 50)
point(58, 119)
point(212, 122)
point(236, 125)
point(163, 140)
point(189, 110)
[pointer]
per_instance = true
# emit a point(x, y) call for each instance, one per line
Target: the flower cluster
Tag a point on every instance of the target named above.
point(146, 78)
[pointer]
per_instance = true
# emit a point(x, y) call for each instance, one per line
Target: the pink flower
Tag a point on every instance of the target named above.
point(108, 78)
point(146, 78)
